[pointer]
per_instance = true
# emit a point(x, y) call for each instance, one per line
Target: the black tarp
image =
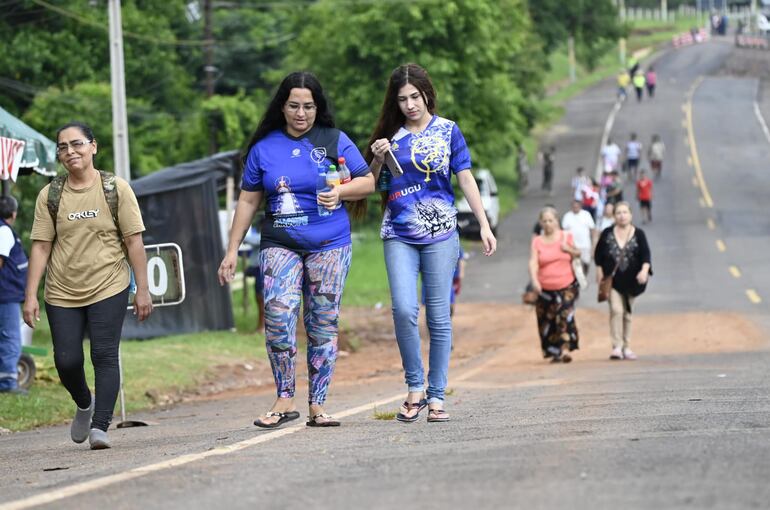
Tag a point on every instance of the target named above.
point(179, 205)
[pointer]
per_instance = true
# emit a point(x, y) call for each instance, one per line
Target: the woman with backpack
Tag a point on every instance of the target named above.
point(87, 231)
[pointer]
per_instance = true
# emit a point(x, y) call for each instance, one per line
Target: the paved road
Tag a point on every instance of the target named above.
point(687, 431)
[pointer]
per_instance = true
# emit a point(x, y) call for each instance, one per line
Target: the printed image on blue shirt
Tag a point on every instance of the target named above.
point(420, 205)
point(285, 168)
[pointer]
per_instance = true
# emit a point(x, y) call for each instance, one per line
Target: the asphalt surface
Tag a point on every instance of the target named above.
point(686, 431)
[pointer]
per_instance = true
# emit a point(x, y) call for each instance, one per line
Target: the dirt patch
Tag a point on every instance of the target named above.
point(481, 328)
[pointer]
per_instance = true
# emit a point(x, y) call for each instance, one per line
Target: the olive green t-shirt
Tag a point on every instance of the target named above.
point(87, 262)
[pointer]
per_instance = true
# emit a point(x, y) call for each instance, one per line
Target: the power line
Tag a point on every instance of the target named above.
point(278, 39)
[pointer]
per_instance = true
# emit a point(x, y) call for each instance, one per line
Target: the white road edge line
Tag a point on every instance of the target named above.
point(761, 120)
point(79, 488)
point(606, 135)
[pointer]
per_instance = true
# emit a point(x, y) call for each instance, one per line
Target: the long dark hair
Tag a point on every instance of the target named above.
point(274, 119)
point(391, 117)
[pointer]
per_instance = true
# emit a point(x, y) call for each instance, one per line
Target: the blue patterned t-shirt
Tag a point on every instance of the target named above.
point(286, 169)
point(420, 206)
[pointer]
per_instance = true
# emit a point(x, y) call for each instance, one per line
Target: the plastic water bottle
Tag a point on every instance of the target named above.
point(345, 176)
point(333, 180)
point(322, 187)
point(383, 181)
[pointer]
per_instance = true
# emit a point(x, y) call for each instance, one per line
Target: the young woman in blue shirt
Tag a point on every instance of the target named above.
point(419, 227)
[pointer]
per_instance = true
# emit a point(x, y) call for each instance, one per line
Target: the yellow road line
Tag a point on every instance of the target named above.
point(753, 296)
point(694, 148)
point(721, 246)
point(735, 271)
point(710, 224)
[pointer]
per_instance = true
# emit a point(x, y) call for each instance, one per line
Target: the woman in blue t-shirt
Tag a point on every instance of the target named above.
point(419, 227)
point(303, 253)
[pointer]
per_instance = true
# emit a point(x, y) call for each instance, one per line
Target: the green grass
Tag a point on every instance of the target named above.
point(384, 415)
point(367, 282)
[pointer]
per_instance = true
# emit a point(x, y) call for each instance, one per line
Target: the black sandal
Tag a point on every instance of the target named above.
point(330, 422)
point(282, 418)
point(422, 404)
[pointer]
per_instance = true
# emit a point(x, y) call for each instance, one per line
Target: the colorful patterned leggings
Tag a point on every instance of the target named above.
point(320, 279)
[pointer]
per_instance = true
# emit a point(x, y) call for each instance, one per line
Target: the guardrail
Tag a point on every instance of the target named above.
point(689, 38)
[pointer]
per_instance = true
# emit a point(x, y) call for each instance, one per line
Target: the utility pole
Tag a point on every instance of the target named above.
point(209, 68)
point(664, 10)
point(622, 42)
point(118, 82)
point(571, 58)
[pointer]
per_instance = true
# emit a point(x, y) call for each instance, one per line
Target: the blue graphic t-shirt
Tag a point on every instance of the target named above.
point(420, 207)
point(285, 168)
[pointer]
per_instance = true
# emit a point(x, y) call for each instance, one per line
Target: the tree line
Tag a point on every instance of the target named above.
point(488, 59)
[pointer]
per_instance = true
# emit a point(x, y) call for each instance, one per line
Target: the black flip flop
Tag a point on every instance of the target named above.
point(282, 418)
point(422, 404)
point(330, 422)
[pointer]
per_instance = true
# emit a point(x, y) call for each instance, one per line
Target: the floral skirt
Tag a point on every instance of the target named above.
point(555, 311)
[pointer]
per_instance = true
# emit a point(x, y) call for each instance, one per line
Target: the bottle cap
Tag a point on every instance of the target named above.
point(332, 168)
point(341, 160)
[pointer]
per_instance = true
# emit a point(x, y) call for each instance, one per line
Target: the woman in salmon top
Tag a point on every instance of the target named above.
point(550, 269)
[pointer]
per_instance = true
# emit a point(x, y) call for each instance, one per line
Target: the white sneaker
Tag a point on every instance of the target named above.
point(616, 354)
point(629, 354)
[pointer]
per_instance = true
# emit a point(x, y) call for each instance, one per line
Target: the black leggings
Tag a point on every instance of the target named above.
point(103, 321)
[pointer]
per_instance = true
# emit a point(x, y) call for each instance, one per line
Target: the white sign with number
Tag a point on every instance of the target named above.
point(165, 275)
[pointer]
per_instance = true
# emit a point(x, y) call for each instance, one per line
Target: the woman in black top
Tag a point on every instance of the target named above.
point(623, 250)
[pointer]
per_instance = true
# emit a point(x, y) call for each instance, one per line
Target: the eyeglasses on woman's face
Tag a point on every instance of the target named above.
point(77, 145)
point(293, 107)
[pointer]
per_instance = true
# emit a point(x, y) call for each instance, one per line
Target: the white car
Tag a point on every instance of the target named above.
point(466, 221)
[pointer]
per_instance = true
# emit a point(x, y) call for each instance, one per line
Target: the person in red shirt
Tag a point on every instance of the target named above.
point(644, 195)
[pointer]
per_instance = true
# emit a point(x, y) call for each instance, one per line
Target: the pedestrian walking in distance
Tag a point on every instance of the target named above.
point(548, 158)
point(623, 80)
point(13, 277)
point(305, 248)
point(550, 270)
point(633, 156)
point(639, 82)
point(651, 79)
point(644, 195)
point(419, 227)
point(655, 155)
point(623, 253)
point(580, 224)
point(86, 223)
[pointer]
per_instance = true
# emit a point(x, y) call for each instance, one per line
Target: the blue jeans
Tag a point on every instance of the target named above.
point(10, 344)
point(436, 263)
